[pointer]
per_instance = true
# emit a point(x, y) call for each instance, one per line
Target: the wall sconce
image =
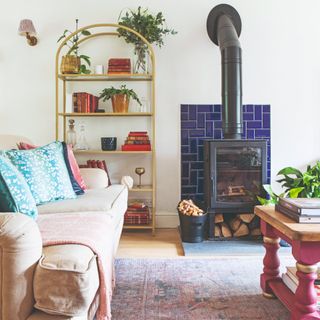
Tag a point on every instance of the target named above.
point(27, 29)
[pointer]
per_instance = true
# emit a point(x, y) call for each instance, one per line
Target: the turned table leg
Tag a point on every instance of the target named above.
point(305, 296)
point(271, 263)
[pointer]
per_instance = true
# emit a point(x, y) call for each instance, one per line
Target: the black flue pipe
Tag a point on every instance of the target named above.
point(224, 28)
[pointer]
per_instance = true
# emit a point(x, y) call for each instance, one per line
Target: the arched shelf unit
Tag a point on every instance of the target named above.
point(62, 114)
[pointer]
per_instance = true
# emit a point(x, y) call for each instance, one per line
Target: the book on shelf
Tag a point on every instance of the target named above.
point(119, 62)
point(293, 285)
point(302, 206)
point(137, 213)
point(137, 141)
point(296, 217)
point(136, 147)
point(292, 273)
point(84, 102)
point(119, 66)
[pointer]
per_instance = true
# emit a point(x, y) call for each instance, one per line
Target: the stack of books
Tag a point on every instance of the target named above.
point(302, 210)
point(291, 280)
point(137, 213)
point(137, 141)
point(84, 102)
point(119, 66)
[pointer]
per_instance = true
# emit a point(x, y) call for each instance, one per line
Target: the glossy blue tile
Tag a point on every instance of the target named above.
point(257, 112)
point(248, 116)
point(209, 129)
point(266, 120)
point(201, 120)
point(188, 124)
point(193, 146)
point(197, 133)
point(217, 108)
point(184, 116)
point(254, 124)
point(266, 108)
point(205, 108)
point(185, 149)
point(192, 112)
point(184, 108)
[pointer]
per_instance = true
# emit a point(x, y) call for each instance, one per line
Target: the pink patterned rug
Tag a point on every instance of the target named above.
point(192, 289)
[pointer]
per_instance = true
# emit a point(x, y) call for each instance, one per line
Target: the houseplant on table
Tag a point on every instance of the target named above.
point(120, 98)
point(72, 61)
point(151, 27)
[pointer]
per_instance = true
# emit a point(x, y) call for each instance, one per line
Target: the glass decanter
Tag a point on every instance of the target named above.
point(71, 134)
point(81, 141)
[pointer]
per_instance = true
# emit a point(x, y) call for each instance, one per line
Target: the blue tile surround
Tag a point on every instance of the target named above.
point(199, 122)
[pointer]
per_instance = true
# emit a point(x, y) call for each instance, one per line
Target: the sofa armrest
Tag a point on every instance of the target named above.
point(94, 178)
point(20, 250)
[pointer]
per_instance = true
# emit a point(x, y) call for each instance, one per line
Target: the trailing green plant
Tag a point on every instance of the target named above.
point(151, 27)
point(296, 184)
point(73, 46)
point(108, 93)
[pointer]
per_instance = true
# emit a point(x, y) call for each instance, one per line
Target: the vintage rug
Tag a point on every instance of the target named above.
point(192, 289)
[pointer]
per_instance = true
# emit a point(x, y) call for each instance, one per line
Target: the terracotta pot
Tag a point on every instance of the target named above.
point(120, 103)
point(70, 64)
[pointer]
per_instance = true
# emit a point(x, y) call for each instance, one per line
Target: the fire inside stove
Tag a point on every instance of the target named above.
point(238, 174)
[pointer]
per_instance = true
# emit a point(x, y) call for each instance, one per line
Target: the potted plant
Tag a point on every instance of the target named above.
point(120, 98)
point(152, 27)
point(72, 62)
point(296, 184)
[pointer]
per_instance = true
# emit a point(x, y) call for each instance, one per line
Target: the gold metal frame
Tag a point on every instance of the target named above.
point(132, 77)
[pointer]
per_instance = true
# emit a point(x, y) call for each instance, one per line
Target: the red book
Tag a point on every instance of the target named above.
point(119, 62)
point(138, 133)
point(136, 147)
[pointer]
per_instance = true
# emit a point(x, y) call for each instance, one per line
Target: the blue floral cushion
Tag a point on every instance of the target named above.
point(45, 171)
point(15, 195)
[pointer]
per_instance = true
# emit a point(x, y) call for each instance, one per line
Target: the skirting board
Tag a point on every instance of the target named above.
point(167, 220)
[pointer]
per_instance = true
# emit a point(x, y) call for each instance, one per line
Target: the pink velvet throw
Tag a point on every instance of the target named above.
point(93, 230)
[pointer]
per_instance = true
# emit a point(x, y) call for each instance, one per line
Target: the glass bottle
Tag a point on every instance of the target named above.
point(81, 141)
point(71, 134)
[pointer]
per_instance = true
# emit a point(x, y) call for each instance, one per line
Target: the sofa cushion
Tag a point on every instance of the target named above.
point(45, 171)
point(94, 200)
point(66, 280)
point(15, 195)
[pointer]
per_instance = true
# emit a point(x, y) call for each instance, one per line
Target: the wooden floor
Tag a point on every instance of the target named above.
point(141, 244)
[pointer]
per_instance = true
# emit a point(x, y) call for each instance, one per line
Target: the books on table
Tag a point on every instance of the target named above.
point(302, 210)
point(302, 206)
point(291, 280)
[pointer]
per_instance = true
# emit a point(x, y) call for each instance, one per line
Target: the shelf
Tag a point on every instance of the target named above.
point(110, 152)
point(105, 77)
point(138, 226)
point(107, 114)
point(143, 188)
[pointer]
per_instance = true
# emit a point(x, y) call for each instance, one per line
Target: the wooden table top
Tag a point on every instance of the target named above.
point(290, 228)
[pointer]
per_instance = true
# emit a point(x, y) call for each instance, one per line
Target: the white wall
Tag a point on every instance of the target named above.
point(281, 66)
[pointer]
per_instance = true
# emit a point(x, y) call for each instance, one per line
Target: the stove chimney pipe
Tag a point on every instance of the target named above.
point(224, 28)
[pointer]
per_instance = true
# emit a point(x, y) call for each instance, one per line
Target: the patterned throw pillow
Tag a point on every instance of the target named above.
point(15, 195)
point(45, 171)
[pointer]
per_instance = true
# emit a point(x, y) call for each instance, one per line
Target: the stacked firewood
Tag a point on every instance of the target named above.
point(187, 207)
point(240, 225)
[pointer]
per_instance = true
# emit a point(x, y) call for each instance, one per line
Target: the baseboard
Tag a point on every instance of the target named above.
point(167, 221)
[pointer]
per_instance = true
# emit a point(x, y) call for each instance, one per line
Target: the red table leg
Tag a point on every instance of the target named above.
point(271, 264)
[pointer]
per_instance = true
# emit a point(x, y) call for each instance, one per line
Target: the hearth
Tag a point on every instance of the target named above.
point(234, 172)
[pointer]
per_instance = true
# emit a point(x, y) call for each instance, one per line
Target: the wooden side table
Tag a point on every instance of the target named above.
point(305, 242)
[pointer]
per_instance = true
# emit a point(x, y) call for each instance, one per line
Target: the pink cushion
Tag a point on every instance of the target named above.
point(72, 160)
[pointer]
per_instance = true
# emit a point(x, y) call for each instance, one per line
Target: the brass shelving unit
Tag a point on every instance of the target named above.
point(147, 78)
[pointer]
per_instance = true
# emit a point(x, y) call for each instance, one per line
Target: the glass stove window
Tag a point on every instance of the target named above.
point(238, 174)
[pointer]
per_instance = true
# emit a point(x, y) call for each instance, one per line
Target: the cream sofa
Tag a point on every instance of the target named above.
point(39, 283)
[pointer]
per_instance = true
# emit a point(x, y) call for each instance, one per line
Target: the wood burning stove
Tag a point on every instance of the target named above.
point(234, 172)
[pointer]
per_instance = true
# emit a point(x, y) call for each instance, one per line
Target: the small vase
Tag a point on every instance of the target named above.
point(120, 103)
point(141, 60)
point(70, 64)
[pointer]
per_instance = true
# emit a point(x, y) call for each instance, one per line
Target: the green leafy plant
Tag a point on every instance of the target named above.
point(108, 93)
point(152, 27)
point(296, 184)
point(73, 46)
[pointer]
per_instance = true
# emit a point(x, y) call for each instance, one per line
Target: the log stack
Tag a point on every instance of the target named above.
point(245, 224)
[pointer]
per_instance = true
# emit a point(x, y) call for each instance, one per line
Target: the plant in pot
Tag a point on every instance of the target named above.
point(151, 27)
point(296, 184)
point(72, 62)
point(120, 98)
